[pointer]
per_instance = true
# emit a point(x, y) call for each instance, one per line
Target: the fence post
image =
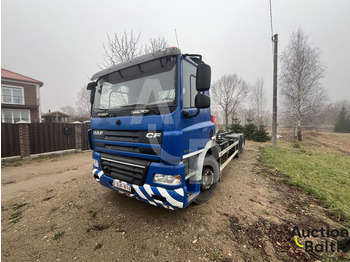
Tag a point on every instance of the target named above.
point(24, 141)
point(77, 135)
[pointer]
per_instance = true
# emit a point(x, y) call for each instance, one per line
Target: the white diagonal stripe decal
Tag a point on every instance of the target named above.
point(180, 191)
point(148, 190)
point(138, 191)
point(171, 200)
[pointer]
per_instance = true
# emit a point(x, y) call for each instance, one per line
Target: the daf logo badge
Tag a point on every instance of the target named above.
point(98, 132)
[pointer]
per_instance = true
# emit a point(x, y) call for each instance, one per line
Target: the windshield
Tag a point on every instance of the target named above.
point(148, 85)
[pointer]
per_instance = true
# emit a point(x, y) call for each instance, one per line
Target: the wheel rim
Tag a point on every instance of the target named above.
point(207, 179)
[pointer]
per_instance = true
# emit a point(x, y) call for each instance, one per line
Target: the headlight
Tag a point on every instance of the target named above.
point(167, 179)
point(96, 163)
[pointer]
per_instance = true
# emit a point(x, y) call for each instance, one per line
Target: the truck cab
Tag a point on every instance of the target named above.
point(151, 131)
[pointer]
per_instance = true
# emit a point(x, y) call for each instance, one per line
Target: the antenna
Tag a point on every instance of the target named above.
point(177, 41)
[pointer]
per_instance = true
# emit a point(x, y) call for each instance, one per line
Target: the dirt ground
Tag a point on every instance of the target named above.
point(53, 210)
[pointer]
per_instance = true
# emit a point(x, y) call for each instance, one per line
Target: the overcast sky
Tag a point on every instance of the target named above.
point(61, 42)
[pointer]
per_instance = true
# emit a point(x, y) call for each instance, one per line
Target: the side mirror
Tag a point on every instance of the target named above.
point(92, 96)
point(203, 77)
point(202, 101)
point(91, 86)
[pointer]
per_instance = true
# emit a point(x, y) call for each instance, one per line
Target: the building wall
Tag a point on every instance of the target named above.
point(35, 116)
point(31, 100)
point(29, 91)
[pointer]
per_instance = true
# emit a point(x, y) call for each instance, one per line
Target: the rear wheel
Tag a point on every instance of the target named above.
point(210, 178)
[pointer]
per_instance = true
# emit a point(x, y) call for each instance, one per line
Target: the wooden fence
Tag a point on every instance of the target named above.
point(9, 140)
point(27, 139)
point(84, 128)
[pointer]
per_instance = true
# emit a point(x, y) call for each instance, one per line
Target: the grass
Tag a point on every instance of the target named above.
point(59, 235)
point(18, 206)
point(265, 212)
point(336, 134)
point(325, 175)
point(92, 214)
point(16, 217)
point(215, 256)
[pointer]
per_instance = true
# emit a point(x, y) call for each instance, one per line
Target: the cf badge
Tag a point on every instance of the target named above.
point(153, 135)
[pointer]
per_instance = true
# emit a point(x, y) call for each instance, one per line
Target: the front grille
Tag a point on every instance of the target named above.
point(108, 139)
point(131, 136)
point(126, 169)
point(123, 136)
point(140, 150)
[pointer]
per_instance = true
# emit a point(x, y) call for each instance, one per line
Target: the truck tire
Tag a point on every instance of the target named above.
point(210, 178)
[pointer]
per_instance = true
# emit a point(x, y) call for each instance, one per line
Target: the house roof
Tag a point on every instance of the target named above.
point(7, 74)
point(55, 114)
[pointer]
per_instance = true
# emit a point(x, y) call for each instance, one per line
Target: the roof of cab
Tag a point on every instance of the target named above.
point(137, 60)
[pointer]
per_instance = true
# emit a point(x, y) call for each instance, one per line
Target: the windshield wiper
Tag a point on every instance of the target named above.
point(139, 109)
point(132, 105)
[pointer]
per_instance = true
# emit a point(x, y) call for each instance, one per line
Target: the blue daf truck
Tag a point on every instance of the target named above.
point(152, 133)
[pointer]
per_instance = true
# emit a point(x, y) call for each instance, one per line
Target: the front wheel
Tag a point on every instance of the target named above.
point(210, 178)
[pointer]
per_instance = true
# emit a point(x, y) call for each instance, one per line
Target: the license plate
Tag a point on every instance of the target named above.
point(121, 185)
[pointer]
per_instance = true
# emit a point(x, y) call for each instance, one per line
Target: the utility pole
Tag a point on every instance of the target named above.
point(274, 103)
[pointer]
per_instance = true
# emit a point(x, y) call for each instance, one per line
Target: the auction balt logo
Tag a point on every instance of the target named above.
point(324, 246)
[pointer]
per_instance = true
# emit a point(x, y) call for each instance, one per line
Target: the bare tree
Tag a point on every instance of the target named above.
point(121, 48)
point(156, 44)
point(258, 102)
point(83, 103)
point(229, 92)
point(69, 110)
point(303, 96)
point(81, 111)
point(127, 46)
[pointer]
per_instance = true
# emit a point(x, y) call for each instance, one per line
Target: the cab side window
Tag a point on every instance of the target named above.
point(189, 91)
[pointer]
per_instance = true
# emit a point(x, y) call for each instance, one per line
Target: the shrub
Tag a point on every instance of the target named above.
point(250, 130)
point(236, 126)
point(296, 144)
point(261, 135)
point(342, 123)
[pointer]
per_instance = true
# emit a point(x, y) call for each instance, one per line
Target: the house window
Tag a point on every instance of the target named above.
point(15, 115)
point(12, 95)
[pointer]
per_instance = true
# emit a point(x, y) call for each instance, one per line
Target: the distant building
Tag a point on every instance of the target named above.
point(55, 117)
point(20, 98)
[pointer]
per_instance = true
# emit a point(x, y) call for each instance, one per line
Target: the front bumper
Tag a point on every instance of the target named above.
point(154, 195)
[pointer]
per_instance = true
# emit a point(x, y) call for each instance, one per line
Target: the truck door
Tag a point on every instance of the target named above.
point(196, 129)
